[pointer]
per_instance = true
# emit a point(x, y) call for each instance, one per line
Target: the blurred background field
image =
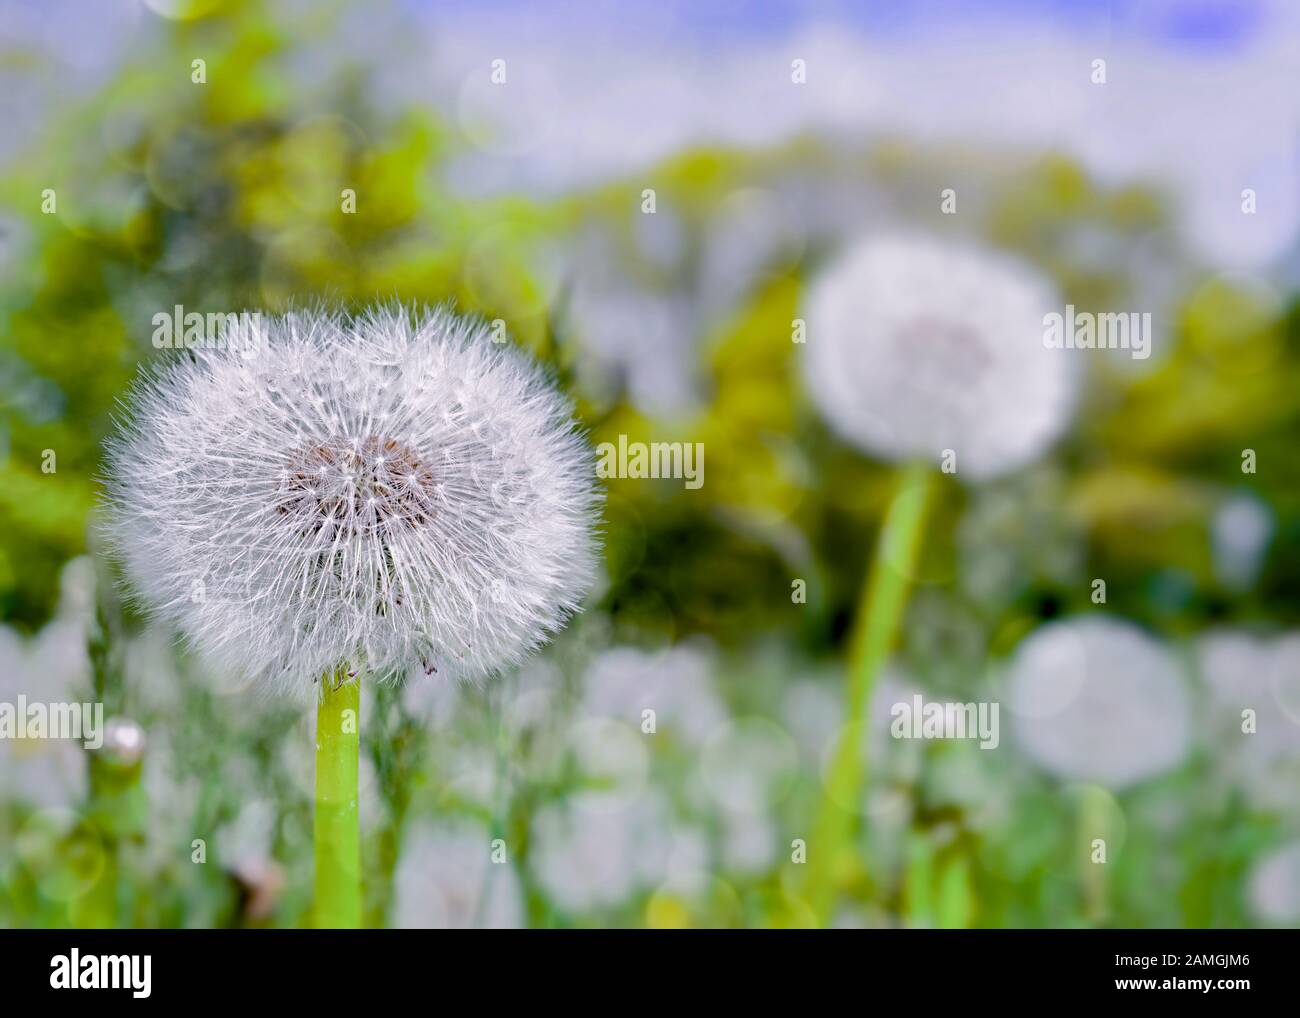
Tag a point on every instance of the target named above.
point(524, 202)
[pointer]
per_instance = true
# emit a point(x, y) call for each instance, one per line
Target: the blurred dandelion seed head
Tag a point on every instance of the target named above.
point(1246, 675)
point(1273, 887)
point(380, 490)
point(1097, 699)
point(914, 347)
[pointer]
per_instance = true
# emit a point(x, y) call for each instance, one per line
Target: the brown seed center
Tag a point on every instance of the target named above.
point(364, 486)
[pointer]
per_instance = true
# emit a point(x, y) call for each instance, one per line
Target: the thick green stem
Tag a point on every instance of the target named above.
point(884, 597)
point(338, 834)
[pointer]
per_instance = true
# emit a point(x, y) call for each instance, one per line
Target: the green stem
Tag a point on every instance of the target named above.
point(1093, 824)
point(338, 833)
point(884, 598)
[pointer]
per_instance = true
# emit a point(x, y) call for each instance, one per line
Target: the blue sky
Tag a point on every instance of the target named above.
point(1204, 24)
point(1202, 92)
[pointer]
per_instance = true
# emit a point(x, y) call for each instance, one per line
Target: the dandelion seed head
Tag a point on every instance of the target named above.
point(1097, 699)
point(913, 347)
point(368, 491)
point(445, 879)
point(1244, 671)
point(1273, 887)
point(596, 848)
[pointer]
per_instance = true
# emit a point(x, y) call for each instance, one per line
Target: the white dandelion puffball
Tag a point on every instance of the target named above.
point(596, 848)
point(446, 879)
point(914, 347)
point(1273, 887)
point(1097, 699)
point(676, 683)
point(1244, 671)
point(369, 491)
